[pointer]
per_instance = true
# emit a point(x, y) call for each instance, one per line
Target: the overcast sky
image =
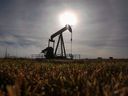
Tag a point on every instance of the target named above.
point(101, 30)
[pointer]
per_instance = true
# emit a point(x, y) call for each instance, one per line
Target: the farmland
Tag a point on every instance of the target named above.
point(25, 77)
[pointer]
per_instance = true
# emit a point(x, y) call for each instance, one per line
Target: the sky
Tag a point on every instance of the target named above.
point(101, 30)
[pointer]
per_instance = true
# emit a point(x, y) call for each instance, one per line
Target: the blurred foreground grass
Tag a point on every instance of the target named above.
point(22, 77)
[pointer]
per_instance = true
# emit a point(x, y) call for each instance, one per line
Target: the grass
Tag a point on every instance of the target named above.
point(22, 77)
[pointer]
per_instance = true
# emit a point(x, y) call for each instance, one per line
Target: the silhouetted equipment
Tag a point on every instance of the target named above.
point(48, 52)
point(51, 52)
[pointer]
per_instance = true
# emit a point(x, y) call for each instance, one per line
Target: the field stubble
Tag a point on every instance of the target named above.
point(22, 77)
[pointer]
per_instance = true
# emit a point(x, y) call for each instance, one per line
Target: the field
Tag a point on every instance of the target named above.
point(25, 77)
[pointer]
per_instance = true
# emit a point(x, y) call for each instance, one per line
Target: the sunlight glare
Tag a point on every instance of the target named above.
point(68, 18)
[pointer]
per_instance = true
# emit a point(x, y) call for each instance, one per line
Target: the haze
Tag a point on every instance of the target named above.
point(101, 29)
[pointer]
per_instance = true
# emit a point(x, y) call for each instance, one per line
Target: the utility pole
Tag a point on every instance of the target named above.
point(6, 53)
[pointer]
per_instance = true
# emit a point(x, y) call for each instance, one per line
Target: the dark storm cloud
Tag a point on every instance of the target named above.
point(19, 23)
point(107, 26)
point(9, 38)
point(102, 24)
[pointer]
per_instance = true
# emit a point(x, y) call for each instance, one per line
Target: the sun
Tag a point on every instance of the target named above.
point(68, 17)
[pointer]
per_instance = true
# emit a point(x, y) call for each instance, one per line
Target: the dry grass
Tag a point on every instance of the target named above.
point(86, 78)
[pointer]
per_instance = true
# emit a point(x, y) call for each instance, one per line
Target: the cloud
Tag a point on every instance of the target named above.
point(28, 24)
point(16, 40)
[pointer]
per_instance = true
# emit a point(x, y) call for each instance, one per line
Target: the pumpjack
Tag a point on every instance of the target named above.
point(51, 52)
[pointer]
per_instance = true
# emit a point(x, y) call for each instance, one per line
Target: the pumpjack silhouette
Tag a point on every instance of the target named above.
point(51, 52)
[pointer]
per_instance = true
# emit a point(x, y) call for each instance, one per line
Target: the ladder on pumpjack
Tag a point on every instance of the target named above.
point(51, 52)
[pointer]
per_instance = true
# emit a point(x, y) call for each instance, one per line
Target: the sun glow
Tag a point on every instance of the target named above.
point(68, 17)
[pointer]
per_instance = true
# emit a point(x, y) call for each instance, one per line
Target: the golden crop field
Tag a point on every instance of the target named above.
point(25, 77)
